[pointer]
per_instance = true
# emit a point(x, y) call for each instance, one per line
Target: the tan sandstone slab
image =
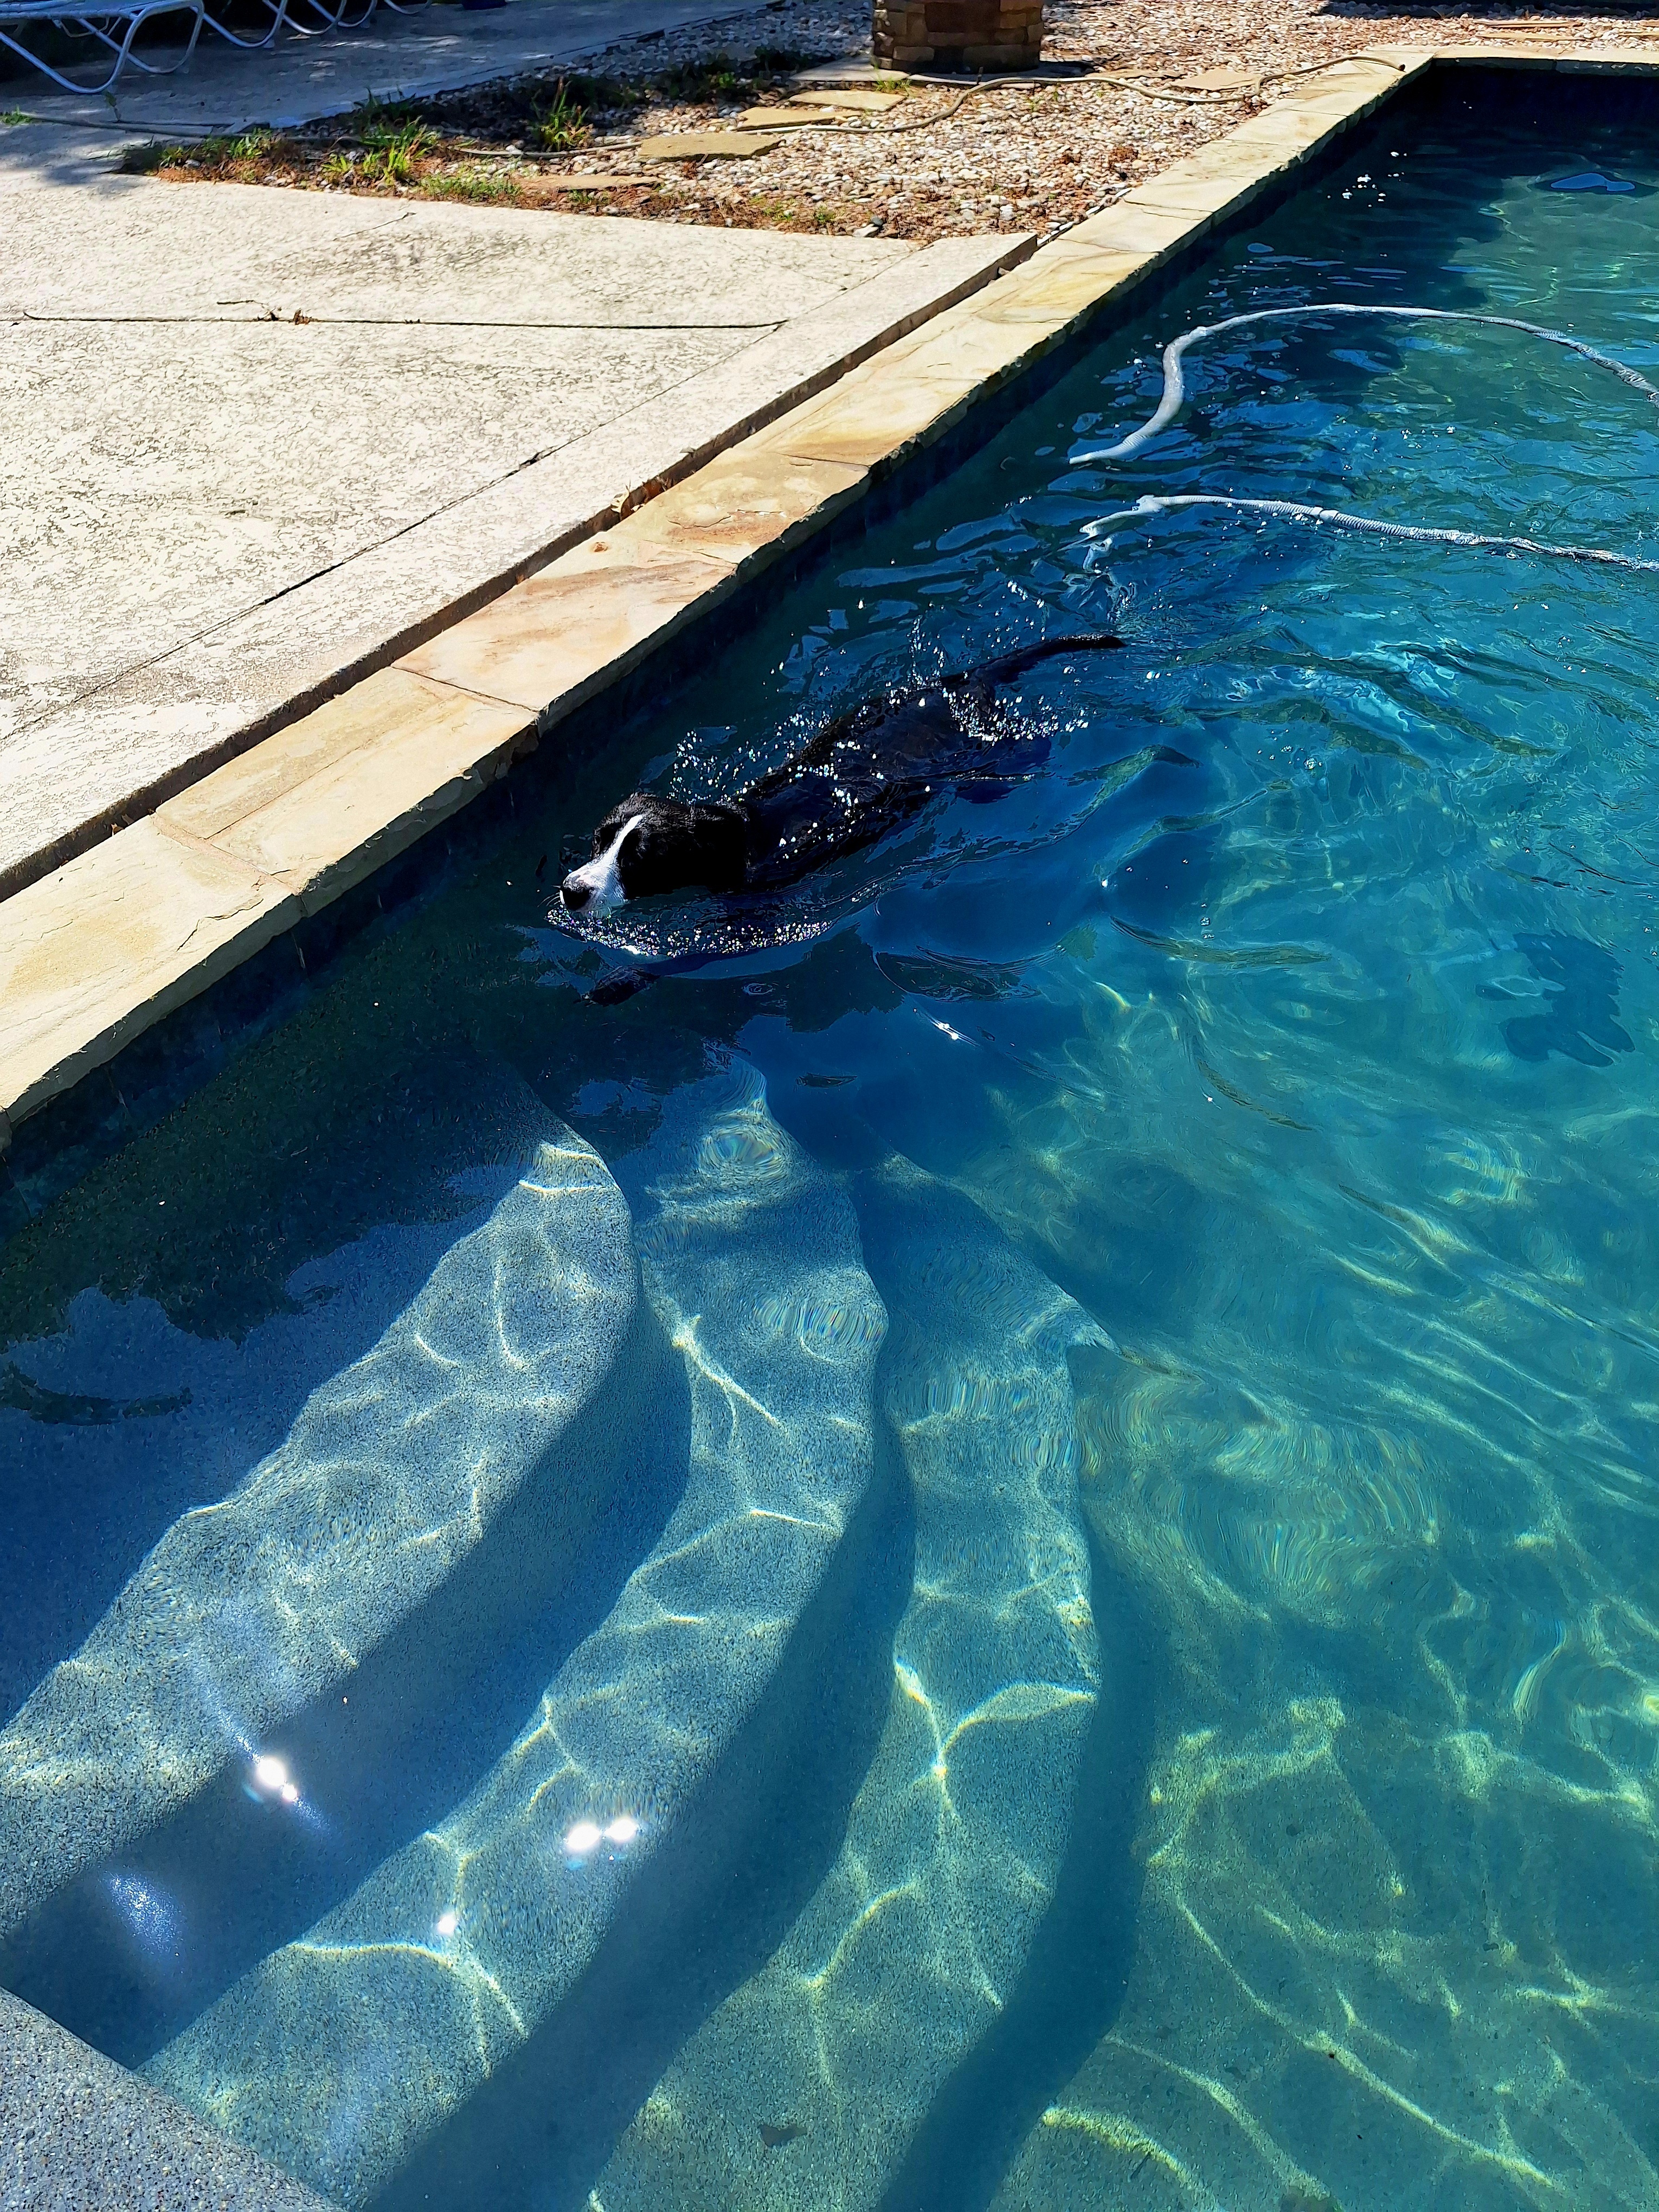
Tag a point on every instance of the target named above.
point(585, 620)
point(1592, 61)
point(91, 956)
point(1152, 234)
point(780, 118)
point(1060, 285)
point(907, 396)
point(327, 801)
point(747, 505)
point(707, 146)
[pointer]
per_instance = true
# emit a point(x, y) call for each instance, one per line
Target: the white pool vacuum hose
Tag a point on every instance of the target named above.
point(1175, 399)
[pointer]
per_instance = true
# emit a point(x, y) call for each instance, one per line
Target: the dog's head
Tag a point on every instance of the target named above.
point(647, 845)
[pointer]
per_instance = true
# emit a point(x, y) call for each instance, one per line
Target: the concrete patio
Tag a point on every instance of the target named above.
point(260, 440)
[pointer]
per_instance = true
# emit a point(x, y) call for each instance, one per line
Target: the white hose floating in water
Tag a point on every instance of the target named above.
point(1175, 399)
point(1174, 382)
point(1302, 511)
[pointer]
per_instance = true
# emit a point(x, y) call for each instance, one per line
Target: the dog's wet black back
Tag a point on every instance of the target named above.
point(872, 769)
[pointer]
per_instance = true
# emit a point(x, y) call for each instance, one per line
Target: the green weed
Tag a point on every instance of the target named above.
point(716, 76)
point(596, 93)
point(562, 125)
point(394, 153)
point(251, 146)
point(141, 161)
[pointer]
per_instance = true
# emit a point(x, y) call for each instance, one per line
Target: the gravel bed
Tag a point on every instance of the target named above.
point(949, 160)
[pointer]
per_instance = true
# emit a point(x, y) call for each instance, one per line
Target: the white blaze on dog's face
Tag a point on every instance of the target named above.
point(598, 886)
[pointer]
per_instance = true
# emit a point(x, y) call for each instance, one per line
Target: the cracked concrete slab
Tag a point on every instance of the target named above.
point(211, 510)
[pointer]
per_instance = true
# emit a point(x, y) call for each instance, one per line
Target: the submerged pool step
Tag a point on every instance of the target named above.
point(252, 1607)
point(805, 2090)
point(340, 2052)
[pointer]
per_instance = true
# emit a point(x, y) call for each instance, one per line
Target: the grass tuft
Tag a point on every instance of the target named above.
point(395, 149)
point(716, 76)
point(562, 125)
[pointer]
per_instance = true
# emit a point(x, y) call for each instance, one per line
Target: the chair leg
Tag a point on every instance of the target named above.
point(69, 83)
point(247, 46)
point(141, 14)
point(330, 19)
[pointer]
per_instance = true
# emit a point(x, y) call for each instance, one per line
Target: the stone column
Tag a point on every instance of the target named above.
point(970, 35)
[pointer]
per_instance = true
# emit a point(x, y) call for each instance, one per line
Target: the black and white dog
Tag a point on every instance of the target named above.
point(863, 776)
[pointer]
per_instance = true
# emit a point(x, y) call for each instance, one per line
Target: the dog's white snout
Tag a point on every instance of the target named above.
point(598, 885)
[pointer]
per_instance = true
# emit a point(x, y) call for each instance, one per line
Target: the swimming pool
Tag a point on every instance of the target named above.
point(999, 1554)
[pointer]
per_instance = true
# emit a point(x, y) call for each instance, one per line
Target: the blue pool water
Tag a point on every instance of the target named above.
point(994, 1547)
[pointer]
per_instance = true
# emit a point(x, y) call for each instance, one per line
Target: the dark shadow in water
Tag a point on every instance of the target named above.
point(214, 1242)
point(1074, 1979)
point(1579, 1019)
point(718, 1899)
point(137, 1946)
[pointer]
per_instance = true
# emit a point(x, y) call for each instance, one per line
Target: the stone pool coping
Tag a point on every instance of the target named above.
point(99, 951)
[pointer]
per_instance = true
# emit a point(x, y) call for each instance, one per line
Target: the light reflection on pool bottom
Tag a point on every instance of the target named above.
point(1248, 1130)
point(346, 2047)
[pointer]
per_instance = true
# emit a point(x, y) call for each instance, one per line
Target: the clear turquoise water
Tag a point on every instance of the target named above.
point(1061, 1459)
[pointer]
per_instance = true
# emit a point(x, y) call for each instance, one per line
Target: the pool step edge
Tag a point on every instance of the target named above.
point(77, 2132)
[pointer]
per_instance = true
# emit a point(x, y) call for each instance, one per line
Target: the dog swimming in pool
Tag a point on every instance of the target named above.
point(862, 776)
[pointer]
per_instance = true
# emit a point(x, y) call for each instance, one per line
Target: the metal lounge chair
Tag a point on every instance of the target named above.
point(113, 28)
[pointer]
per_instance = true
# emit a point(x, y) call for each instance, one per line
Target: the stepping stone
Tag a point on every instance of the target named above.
point(831, 2056)
point(872, 103)
point(534, 187)
point(339, 2051)
point(392, 1473)
point(707, 146)
point(778, 118)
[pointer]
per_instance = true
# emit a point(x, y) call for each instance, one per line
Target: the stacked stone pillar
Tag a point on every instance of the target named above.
point(970, 35)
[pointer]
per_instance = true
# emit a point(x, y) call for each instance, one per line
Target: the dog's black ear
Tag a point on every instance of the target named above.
point(724, 846)
point(677, 848)
point(637, 802)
